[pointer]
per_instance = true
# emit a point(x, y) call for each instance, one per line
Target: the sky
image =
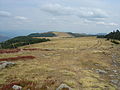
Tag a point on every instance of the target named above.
point(82, 16)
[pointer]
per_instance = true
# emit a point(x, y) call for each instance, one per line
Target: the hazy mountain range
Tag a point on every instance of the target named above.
point(10, 34)
point(3, 38)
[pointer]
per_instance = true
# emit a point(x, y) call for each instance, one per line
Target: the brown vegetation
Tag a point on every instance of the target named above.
point(18, 50)
point(17, 58)
point(24, 83)
point(9, 51)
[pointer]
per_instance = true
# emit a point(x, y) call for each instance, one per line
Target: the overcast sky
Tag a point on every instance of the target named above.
point(83, 16)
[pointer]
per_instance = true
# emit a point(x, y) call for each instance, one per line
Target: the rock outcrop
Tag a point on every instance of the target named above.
point(5, 64)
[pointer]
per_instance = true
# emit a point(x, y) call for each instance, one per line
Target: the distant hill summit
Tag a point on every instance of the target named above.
point(101, 34)
point(3, 38)
point(57, 34)
point(47, 34)
point(78, 34)
point(62, 34)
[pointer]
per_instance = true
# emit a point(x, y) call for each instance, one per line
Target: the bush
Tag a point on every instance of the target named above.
point(100, 36)
point(113, 35)
point(115, 42)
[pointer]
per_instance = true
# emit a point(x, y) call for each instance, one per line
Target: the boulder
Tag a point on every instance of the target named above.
point(101, 71)
point(16, 87)
point(115, 81)
point(115, 71)
point(5, 64)
point(64, 87)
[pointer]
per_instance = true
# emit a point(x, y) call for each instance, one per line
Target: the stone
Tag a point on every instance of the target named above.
point(118, 77)
point(16, 87)
point(114, 81)
point(115, 71)
point(101, 71)
point(64, 87)
point(112, 76)
point(5, 64)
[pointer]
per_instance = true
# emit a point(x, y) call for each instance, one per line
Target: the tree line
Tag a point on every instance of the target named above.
point(115, 35)
point(48, 34)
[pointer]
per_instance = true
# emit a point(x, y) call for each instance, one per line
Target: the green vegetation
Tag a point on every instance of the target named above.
point(48, 34)
point(20, 41)
point(115, 42)
point(101, 36)
point(115, 35)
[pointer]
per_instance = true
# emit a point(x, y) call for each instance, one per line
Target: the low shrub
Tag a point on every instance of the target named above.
point(17, 58)
point(115, 42)
point(9, 51)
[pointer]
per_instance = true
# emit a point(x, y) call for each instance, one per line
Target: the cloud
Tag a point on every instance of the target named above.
point(92, 14)
point(82, 12)
point(108, 24)
point(5, 14)
point(21, 18)
point(57, 9)
point(8, 14)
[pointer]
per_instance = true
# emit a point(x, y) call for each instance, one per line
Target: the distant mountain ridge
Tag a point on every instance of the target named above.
point(57, 34)
point(78, 34)
point(101, 34)
point(47, 34)
point(3, 38)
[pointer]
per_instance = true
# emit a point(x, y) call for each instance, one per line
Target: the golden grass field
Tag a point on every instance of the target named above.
point(72, 61)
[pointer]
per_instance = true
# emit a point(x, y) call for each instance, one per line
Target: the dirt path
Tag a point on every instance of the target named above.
point(97, 45)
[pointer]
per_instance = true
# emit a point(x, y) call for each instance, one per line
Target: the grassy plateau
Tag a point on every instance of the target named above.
point(72, 61)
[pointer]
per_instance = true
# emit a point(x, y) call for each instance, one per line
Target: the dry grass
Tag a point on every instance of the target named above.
point(72, 61)
point(62, 34)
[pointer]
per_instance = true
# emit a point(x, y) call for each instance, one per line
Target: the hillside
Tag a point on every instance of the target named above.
point(62, 34)
point(58, 34)
point(51, 34)
point(78, 34)
point(35, 38)
point(85, 63)
point(20, 41)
